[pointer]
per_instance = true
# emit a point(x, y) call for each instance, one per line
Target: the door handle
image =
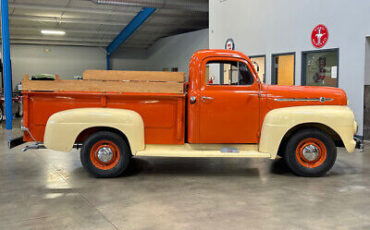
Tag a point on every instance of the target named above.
point(207, 98)
point(193, 99)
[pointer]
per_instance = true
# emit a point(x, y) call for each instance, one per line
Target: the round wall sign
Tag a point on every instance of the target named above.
point(229, 45)
point(319, 36)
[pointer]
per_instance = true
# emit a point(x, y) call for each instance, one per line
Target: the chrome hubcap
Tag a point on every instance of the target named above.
point(105, 154)
point(311, 152)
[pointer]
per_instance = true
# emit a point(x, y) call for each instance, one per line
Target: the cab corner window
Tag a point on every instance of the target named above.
point(228, 73)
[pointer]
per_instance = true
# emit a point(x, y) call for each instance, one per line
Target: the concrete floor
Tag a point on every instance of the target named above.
point(50, 190)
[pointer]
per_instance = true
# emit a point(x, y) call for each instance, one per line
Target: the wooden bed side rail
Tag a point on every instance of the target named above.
point(119, 75)
point(102, 86)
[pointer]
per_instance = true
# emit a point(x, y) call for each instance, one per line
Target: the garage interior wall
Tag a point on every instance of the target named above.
point(70, 61)
point(261, 34)
point(169, 52)
point(67, 61)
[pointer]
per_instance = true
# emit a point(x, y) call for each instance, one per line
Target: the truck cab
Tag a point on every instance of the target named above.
point(224, 110)
point(223, 98)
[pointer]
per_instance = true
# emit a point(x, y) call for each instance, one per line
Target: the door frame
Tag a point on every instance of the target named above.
point(255, 86)
point(273, 76)
point(304, 58)
point(203, 83)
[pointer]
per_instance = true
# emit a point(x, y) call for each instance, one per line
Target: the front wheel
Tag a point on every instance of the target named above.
point(105, 154)
point(310, 153)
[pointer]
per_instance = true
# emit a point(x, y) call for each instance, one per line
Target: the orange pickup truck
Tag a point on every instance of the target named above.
point(224, 110)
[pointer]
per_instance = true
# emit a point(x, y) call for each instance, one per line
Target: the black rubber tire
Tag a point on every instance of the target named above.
point(123, 147)
point(292, 161)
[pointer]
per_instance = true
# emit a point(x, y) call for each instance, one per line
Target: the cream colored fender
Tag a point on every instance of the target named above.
point(63, 128)
point(279, 121)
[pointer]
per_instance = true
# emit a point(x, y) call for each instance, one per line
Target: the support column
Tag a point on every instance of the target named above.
point(6, 64)
point(108, 62)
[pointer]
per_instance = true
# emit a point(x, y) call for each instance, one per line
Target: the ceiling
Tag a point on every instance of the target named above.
point(98, 22)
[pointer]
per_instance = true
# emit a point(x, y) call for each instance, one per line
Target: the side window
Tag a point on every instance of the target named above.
point(228, 73)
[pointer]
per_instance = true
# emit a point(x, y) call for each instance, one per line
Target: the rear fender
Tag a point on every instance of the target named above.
point(63, 128)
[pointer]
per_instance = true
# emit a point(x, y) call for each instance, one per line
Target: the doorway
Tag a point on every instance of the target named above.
point(367, 91)
point(283, 66)
point(259, 63)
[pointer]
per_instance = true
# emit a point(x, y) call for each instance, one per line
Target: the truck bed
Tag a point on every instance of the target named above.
point(157, 96)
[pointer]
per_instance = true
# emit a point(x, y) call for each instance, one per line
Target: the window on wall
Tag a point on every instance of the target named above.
point(228, 73)
point(259, 65)
point(283, 69)
point(320, 68)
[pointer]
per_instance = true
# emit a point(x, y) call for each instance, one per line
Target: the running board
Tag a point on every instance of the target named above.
point(203, 150)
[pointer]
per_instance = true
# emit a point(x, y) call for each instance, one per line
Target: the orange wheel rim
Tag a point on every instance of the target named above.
point(311, 152)
point(104, 154)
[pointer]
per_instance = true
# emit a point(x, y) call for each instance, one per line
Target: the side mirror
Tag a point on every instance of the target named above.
point(256, 66)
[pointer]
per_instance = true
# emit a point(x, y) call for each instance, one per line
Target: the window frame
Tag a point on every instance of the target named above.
point(273, 77)
point(220, 59)
point(304, 59)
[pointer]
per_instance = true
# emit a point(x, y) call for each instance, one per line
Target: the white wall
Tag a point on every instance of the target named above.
point(176, 51)
point(270, 26)
point(67, 61)
point(169, 52)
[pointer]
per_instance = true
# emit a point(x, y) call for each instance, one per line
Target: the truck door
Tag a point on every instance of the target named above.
point(229, 102)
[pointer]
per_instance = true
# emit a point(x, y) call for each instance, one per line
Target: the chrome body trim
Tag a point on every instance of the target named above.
point(321, 99)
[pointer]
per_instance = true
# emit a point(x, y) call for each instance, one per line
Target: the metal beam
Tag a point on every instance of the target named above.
point(68, 9)
point(136, 39)
point(57, 43)
point(58, 20)
point(80, 31)
point(135, 23)
point(90, 10)
point(15, 30)
point(108, 62)
point(67, 20)
point(201, 6)
point(50, 38)
point(6, 64)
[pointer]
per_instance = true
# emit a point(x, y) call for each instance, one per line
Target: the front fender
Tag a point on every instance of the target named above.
point(278, 122)
point(63, 128)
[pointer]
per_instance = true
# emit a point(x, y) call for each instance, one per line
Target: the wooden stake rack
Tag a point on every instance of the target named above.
point(113, 81)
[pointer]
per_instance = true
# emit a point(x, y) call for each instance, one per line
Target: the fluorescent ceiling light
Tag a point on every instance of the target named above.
point(53, 32)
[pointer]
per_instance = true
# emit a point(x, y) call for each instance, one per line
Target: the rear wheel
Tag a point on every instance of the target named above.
point(310, 153)
point(105, 154)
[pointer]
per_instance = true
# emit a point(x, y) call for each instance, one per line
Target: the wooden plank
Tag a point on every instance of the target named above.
point(102, 86)
point(133, 75)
